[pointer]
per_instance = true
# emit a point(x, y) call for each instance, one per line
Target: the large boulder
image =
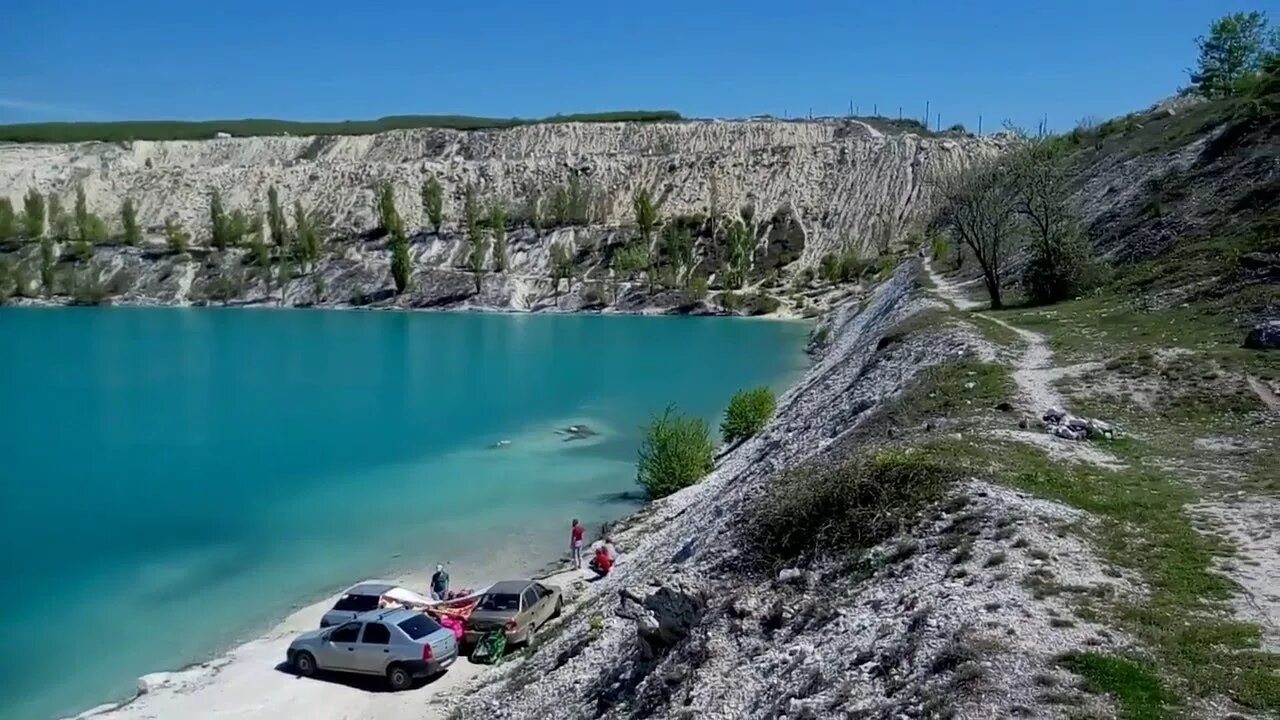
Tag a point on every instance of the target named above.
point(665, 616)
point(1264, 336)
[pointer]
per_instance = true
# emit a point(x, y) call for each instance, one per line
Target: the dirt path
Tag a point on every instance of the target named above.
point(1034, 372)
point(1264, 393)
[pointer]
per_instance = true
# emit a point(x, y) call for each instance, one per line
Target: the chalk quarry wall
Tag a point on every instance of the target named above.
point(848, 184)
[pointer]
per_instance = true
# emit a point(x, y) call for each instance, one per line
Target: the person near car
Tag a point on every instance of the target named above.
point(602, 562)
point(576, 532)
point(439, 583)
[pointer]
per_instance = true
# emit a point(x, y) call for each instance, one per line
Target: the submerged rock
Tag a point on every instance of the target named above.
point(577, 432)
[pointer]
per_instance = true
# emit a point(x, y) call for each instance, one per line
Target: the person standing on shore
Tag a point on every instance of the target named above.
point(575, 543)
point(439, 583)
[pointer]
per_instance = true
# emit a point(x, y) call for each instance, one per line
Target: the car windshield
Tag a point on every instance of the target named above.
point(357, 603)
point(419, 626)
point(500, 601)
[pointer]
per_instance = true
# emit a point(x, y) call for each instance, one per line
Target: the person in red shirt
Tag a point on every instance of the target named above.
point(575, 543)
point(602, 563)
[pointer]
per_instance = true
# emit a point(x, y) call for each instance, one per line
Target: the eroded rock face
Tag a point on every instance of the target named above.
point(664, 616)
point(841, 181)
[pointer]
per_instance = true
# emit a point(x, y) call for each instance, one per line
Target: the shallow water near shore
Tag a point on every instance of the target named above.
point(175, 480)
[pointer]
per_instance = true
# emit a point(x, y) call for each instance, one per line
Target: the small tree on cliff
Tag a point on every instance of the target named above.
point(740, 241)
point(679, 247)
point(33, 214)
point(219, 222)
point(129, 220)
point(498, 226)
point(308, 227)
point(479, 250)
point(471, 211)
point(433, 203)
point(47, 260)
point(534, 211)
point(561, 265)
point(8, 220)
point(177, 236)
point(401, 265)
point(389, 221)
point(275, 219)
point(646, 212)
point(979, 208)
point(60, 223)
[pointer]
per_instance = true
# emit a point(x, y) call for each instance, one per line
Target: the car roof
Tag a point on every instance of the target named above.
point(370, 587)
point(389, 615)
point(512, 587)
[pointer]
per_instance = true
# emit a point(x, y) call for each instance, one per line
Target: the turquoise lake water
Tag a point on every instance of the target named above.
point(173, 481)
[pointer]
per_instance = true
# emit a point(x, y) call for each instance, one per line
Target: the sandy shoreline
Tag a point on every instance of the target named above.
point(250, 681)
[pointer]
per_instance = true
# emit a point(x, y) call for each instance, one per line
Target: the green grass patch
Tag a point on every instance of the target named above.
point(954, 389)
point(1108, 325)
point(1136, 689)
point(1142, 525)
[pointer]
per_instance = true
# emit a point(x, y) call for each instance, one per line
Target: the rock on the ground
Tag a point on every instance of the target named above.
point(1264, 336)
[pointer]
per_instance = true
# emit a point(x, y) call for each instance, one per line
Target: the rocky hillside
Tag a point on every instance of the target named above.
point(816, 188)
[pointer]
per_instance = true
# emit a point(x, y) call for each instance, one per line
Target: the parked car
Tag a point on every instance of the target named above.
point(364, 597)
point(399, 644)
point(517, 607)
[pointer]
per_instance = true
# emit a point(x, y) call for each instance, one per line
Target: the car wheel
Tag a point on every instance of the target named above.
point(559, 607)
point(305, 663)
point(399, 678)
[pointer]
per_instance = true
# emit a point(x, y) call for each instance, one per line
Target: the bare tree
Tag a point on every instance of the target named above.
point(980, 209)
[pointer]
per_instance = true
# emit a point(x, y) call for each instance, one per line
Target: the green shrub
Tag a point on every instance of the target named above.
point(1056, 270)
point(697, 290)
point(828, 508)
point(748, 412)
point(940, 246)
point(82, 250)
point(177, 236)
point(676, 452)
point(759, 303)
point(730, 300)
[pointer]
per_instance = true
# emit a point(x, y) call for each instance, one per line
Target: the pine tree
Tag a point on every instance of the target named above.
point(479, 241)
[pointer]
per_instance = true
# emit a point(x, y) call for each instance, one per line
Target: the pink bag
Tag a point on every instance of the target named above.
point(453, 624)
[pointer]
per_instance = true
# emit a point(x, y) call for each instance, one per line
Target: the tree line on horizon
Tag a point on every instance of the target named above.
point(122, 131)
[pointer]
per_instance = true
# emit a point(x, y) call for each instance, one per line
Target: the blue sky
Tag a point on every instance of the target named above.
point(327, 60)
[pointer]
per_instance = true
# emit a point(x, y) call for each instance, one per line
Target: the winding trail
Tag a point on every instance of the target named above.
point(1034, 371)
